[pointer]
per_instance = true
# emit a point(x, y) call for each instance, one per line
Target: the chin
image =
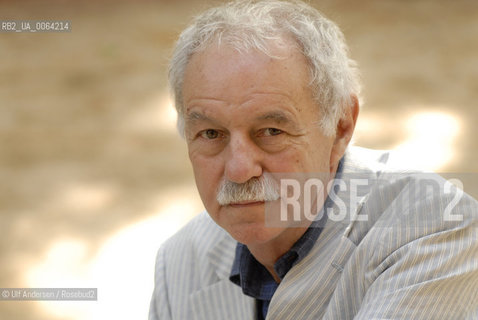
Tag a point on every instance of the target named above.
point(253, 233)
point(245, 224)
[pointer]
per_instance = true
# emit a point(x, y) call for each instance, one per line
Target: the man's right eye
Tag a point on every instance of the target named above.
point(210, 134)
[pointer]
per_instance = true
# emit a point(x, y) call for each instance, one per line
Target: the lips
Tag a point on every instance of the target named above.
point(246, 203)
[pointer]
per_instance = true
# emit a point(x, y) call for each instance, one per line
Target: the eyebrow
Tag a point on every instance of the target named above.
point(195, 116)
point(276, 116)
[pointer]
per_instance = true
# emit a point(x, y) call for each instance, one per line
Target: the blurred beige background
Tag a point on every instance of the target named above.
point(93, 176)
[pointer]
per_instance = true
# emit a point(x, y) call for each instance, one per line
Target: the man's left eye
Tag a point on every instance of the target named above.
point(272, 132)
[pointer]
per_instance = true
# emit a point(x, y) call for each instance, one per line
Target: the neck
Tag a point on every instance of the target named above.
point(268, 253)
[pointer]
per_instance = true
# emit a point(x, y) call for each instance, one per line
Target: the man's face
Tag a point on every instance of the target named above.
point(245, 115)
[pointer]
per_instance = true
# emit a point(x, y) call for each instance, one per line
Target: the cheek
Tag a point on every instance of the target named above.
point(319, 151)
point(208, 174)
point(302, 158)
point(293, 159)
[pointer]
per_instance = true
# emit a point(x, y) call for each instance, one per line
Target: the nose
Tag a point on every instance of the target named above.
point(243, 159)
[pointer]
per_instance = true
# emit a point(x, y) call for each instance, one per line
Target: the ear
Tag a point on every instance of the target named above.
point(344, 131)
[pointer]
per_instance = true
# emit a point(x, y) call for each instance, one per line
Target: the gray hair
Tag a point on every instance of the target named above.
point(247, 25)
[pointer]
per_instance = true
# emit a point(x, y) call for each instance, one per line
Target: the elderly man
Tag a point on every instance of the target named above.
point(265, 89)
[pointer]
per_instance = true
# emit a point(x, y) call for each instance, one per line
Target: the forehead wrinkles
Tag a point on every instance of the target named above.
point(275, 106)
point(223, 78)
point(278, 107)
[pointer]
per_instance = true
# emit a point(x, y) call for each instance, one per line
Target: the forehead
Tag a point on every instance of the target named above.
point(224, 74)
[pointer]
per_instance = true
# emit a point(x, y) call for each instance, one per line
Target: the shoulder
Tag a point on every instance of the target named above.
point(403, 201)
point(185, 263)
point(363, 159)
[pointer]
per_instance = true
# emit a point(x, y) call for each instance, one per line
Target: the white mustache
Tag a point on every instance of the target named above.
point(263, 188)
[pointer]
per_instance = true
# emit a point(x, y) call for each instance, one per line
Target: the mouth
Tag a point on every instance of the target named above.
point(242, 204)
